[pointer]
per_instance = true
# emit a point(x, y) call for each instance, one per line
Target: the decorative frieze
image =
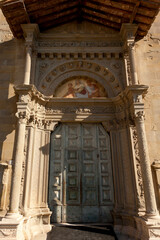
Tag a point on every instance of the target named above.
point(72, 44)
point(79, 110)
point(80, 55)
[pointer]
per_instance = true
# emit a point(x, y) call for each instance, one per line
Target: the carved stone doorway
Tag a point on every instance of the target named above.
point(80, 182)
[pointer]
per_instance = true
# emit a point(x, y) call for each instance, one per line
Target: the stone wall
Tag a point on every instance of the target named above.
point(148, 66)
point(12, 59)
point(11, 63)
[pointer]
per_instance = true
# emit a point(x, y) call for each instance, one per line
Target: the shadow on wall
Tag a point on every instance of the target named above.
point(7, 117)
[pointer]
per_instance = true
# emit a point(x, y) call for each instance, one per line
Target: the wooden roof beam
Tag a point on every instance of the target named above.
point(106, 9)
point(150, 4)
point(137, 3)
point(145, 11)
point(53, 17)
point(51, 11)
point(15, 5)
point(111, 18)
point(104, 22)
point(34, 7)
point(114, 4)
point(48, 24)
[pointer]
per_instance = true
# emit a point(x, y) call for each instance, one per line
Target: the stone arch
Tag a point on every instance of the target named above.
point(102, 75)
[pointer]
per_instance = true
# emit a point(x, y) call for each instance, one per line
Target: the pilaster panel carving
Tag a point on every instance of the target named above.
point(23, 170)
point(140, 188)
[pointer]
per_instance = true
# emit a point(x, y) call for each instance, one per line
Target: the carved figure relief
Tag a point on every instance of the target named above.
point(80, 88)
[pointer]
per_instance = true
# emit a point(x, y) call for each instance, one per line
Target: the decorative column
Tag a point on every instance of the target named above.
point(156, 170)
point(28, 65)
point(31, 32)
point(23, 114)
point(151, 207)
point(19, 155)
point(128, 32)
point(131, 50)
point(28, 169)
point(134, 95)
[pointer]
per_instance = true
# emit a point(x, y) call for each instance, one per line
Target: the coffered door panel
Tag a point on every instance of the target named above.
point(80, 187)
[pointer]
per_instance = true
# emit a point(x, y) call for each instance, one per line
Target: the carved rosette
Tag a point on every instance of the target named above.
point(140, 192)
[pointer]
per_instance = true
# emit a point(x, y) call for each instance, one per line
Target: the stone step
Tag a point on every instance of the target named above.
point(81, 232)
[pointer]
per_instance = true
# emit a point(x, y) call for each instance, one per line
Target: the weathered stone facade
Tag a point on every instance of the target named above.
point(30, 72)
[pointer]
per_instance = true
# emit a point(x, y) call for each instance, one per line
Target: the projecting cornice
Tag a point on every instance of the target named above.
point(51, 13)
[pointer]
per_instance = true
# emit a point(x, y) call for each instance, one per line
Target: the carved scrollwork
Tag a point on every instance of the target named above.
point(25, 98)
point(140, 194)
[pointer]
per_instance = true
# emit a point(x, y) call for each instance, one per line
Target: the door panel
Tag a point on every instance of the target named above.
point(80, 184)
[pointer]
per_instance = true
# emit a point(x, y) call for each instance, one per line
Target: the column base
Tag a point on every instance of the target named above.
point(137, 228)
point(11, 228)
point(148, 227)
point(17, 227)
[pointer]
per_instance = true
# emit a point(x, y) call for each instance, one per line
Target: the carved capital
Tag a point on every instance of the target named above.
point(140, 116)
point(128, 32)
point(24, 98)
point(28, 48)
point(31, 32)
point(23, 117)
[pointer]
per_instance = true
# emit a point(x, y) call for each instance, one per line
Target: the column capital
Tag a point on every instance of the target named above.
point(31, 32)
point(128, 32)
point(23, 117)
point(139, 115)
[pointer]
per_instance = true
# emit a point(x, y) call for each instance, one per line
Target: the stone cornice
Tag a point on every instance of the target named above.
point(117, 111)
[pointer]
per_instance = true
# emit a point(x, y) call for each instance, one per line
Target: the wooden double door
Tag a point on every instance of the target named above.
point(80, 177)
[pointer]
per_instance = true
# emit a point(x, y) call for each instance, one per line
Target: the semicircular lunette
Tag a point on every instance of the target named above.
point(80, 87)
point(97, 73)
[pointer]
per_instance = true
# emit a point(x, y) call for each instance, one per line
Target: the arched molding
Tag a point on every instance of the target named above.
point(102, 75)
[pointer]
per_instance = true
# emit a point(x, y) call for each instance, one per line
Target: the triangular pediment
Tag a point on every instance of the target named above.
point(82, 28)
